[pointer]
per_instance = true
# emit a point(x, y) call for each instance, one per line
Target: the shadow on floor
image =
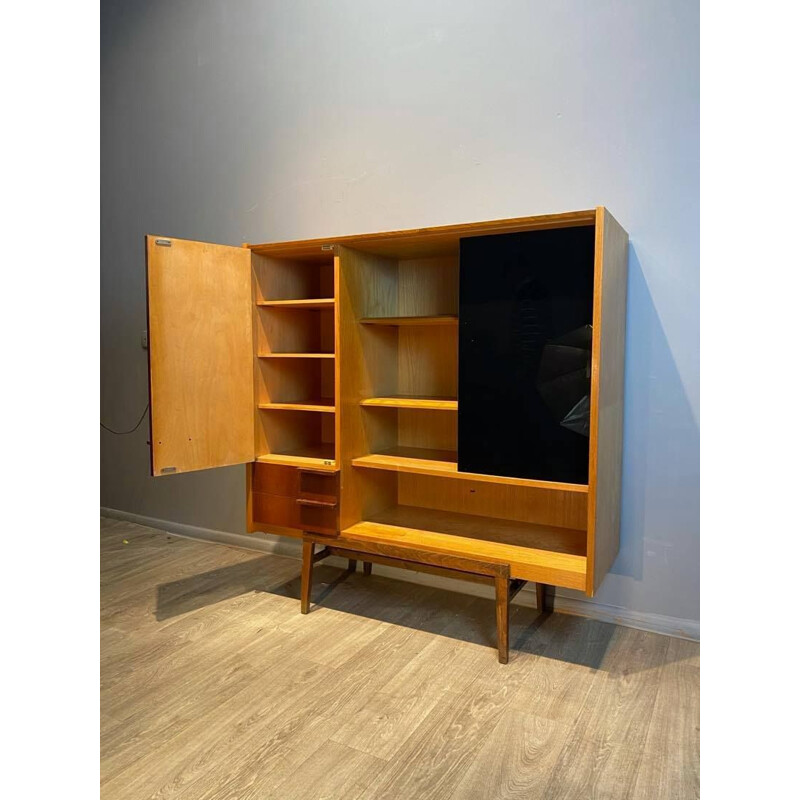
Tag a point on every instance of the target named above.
point(224, 583)
point(563, 637)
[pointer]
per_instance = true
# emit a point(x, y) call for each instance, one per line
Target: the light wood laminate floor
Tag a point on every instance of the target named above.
point(213, 685)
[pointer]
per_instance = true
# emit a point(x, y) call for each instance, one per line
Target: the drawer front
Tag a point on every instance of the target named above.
point(318, 483)
point(290, 497)
point(319, 519)
point(275, 479)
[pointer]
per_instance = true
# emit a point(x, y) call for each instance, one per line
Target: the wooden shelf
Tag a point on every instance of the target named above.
point(534, 552)
point(444, 463)
point(439, 319)
point(320, 456)
point(297, 355)
point(408, 401)
point(312, 303)
point(325, 407)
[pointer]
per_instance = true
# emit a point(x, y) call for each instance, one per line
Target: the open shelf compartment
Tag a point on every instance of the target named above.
point(428, 461)
point(296, 437)
point(295, 332)
point(534, 552)
point(299, 282)
point(320, 456)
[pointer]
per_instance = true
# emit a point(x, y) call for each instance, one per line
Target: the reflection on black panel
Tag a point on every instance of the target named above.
point(524, 354)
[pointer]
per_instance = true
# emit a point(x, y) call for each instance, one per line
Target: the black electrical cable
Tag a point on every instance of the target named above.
point(132, 430)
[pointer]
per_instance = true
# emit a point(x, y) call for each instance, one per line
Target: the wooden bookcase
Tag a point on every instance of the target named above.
point(331, 367)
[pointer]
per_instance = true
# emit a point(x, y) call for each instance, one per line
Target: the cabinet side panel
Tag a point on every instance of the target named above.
point(367, 368)
point(201, 355)
point(608, 373)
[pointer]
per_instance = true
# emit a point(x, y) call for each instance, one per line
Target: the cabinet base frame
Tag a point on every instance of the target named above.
point(497, 575)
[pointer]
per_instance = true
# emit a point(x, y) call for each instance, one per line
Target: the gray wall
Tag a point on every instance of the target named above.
point(262, 121)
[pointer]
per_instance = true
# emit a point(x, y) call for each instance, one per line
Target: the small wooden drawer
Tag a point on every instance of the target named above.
point(291, 497)
point(318, 483)
point(320, 519)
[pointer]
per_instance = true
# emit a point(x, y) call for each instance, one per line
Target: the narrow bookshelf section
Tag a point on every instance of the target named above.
point(295, 319)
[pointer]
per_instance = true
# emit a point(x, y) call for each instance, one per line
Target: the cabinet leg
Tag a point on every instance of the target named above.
point(544, 602)
point(305, 576)
point(368, 568)
point(351, 564)
point(501, 603)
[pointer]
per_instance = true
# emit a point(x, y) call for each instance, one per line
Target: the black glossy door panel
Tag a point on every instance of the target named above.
point(525, 316)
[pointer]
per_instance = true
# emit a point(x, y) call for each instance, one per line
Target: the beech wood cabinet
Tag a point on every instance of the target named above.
point(445, 399)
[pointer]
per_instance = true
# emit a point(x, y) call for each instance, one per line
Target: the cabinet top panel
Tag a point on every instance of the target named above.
point(419, 242)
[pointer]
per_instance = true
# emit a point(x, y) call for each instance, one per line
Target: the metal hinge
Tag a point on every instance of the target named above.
point(164, 242)
point(326, 247)
point(168, 469)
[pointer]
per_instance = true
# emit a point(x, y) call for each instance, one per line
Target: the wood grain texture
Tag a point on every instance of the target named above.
point(442, 319)
point(290, 380)
point(200, 352)
point(420, 428)
point(607, 390)
point(422, 243)
point(318, 303)
point(427, 361)
point(407, 401)
point(428, 286)
point(534, 552)
point(291, 330)
point(366, 548)
point(288, 279)
point(319, 456)
point(563, 509)
point(501, 612)
point(420, 461)
point(367, 287)
point(319, 405)
point(213, 685)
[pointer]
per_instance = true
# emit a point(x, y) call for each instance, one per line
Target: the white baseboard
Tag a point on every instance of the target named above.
point(284, 546)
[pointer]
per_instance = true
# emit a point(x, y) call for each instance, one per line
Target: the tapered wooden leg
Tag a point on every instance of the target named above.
point(544, 600)
point(305, 576)
point(368, 568)
point(501, 602)
point(351, 565)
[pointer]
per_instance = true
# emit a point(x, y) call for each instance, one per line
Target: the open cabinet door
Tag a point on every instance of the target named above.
point(201, 355)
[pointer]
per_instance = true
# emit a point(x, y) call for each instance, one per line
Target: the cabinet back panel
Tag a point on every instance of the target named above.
point(294, 380)
point(294, 331)
point(541, 506)
point(427, 361)
point(524, 358)
point(290, 432)
point(427, 287)
point(435, 430)
point(290, 279)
